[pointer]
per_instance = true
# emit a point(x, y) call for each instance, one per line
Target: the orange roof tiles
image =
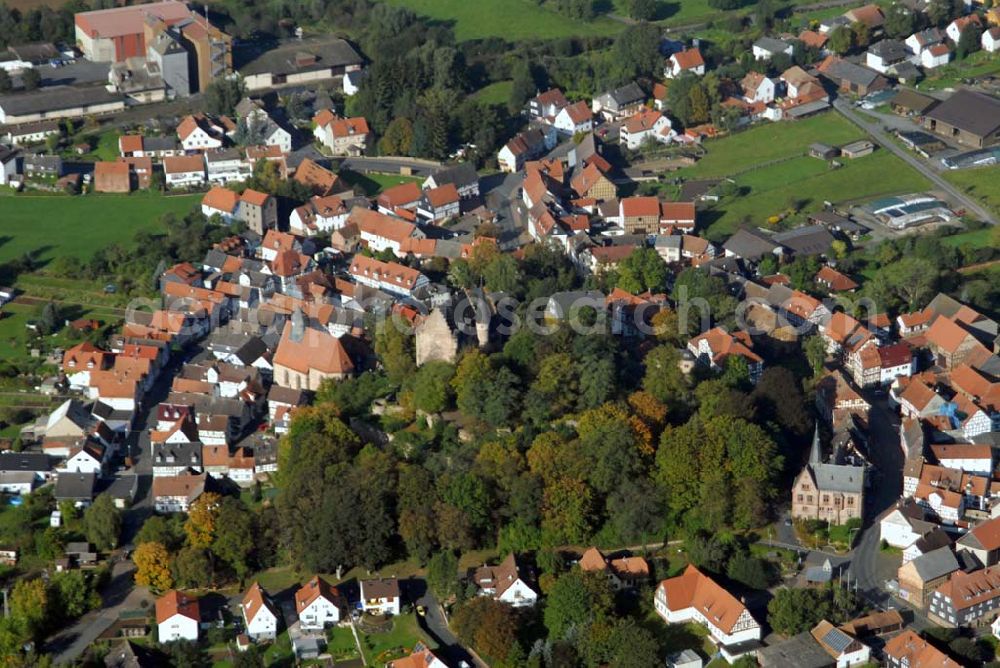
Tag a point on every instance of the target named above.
point(694, 589)
point(640, 206)
point(180, 164)
point(316, 350)
point(387, 272)
point(946, 335)
point(689, 59)
point(442, 195)
point(176, 603)
point(221, 199)
point(916, 652)
point(316, 587)
point(130, 143)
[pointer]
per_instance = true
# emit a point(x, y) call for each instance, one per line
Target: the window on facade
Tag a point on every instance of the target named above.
point(826, 498)
point(850, 500)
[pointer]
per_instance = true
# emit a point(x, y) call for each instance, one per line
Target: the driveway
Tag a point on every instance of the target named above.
point(119, 596)
point(875, 131)
point(435, 623)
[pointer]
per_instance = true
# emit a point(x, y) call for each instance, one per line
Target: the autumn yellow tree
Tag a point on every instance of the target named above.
point(152, 563)
point(200, 525)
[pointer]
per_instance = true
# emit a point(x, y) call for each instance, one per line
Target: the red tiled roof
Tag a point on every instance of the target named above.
point(221, 199)
point(176, 603)
point(688, 59)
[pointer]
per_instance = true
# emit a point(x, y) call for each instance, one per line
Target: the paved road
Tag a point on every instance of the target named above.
point(435, 623)
point(119, 596)
point(874, 130)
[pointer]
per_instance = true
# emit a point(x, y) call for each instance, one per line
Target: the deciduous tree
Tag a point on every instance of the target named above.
point(152, 567)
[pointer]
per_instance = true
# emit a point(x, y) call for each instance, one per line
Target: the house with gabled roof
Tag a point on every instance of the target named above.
point(546, 105)
point(505, 583)
point(175, 494)
point(320, 215)
point(421, 657)
point(909, 650)
point(462, 175)
point(950, 343)
point(983, 541)
point(318, 604)
point(966, 597)
point(714, 347)
point(343, 136)
point(688, 60)
point(645, 125)
point(841, 646)
point(178, 617)
point(616, 104)
point(198, 132)
point(320, 180)
point(184, 171)
point(620, 573)
point(574, 118)
point(380, 232)
point(260, 616)
point(757, 87)
point(695, 597)
point(381, 596)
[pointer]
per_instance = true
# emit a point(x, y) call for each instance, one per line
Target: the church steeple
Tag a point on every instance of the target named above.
point(816, 453)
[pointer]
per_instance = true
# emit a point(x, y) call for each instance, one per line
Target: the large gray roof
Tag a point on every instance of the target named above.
point(75, 486)
point(337, 53)
point(52, 98)
point(973, 112)
point(749, 244)
point(838, 478)
point(936, 563)
point(799, 651)
point(807, 240)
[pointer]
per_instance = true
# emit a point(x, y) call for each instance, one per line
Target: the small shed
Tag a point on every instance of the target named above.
point(857, 149)
point(823, 151)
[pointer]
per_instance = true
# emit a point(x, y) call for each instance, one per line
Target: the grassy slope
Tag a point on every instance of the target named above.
point(979, 183)
point(59, 225)
point(509, 19)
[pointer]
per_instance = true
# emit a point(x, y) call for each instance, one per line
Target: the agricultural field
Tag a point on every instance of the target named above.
point(511, 20)
point(55, 225)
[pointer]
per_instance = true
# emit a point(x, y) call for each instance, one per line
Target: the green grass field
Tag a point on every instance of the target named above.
point(770, 141)
point(16, 340)
point(372, 184)
point(811, 182)
point(60, 225)
point(771, 161)
point(508, 19)
point(495, 93)
point(976, 238)
point(980, 183)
